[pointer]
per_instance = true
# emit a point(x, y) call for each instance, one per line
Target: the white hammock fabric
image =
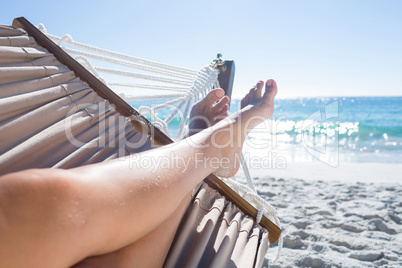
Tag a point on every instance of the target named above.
point(180, 86)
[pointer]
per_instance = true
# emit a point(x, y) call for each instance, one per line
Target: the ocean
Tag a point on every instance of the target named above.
point(326, 129)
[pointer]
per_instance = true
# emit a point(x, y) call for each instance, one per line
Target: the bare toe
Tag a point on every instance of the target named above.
point(222, 103)
point(248, 99)
point(213, 96)
point(257, 93)
point(222, 113)
point(270, 92)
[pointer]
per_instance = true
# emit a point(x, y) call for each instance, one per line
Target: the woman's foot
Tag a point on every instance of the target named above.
point(208, 111)
point(228, 135)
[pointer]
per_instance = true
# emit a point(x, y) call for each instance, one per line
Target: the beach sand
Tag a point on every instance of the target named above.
point(348, 216)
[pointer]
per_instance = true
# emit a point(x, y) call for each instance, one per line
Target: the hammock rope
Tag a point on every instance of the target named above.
point(127, 64)
point(187, 85)
point(68, 40)
point(178, 89)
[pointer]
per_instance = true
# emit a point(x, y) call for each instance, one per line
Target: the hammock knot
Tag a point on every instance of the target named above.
point(42, 28)
point(259, 215)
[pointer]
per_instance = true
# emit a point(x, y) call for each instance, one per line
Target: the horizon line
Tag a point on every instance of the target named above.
point(331, 96)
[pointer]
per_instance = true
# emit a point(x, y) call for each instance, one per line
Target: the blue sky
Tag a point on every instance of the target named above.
point(311, 48)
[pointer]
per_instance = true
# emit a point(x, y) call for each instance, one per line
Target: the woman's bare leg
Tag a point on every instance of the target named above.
point(100, 208)
point(151, 250)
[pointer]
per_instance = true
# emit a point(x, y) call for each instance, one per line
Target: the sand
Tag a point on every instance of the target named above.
point(348, 222)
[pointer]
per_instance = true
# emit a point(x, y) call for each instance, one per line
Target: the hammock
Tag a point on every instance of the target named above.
point(180, 86)
point(39, 95)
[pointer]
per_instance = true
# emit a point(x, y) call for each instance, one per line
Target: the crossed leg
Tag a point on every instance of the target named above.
point(149, 251)
point(102, 208)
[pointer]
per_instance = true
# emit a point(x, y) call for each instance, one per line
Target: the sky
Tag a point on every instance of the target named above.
point(311, 48)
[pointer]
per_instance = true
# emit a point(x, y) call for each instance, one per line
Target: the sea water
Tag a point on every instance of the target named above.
point(330, 129)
